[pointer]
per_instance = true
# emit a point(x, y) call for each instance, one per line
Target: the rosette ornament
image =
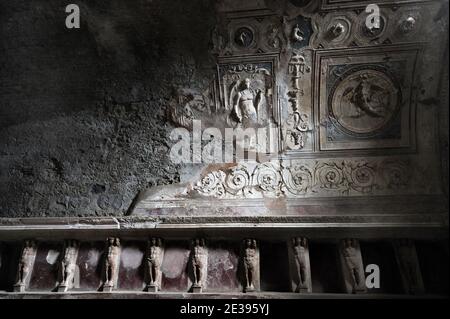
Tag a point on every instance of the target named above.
point(237, 181)
point(297, 179)
point(212, 184)
point(362, 178)
point(267, 178)
point(330, 176)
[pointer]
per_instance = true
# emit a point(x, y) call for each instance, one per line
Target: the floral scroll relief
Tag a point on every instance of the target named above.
point(297, 180)
point(266, 178)
point(237, 181)
point(212, 184)
point(315, 178)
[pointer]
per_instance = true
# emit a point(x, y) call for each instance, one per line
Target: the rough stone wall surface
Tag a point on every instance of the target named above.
point(82, 123)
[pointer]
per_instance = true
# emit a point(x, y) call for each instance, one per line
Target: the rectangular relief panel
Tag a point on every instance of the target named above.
point(248, 98)
point(238, 96)
point(365, 98)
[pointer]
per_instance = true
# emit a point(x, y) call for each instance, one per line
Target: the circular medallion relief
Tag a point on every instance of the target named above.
point(243, 37)
point(372, 32)
point(337, 30)
point(364, 101)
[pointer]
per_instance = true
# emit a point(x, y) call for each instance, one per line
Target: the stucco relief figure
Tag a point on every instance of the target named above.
point(251, 264)
point(25, 266)
point(187, 105)
point(153, 262)
point(368, 99)
point(245, 103)
point(353, 265)
point(111, 265)
point(297, 34)
point(409, 266)
point(274, 36)
point(68, 265)
point(243, 37)
point(199, 263)
point(365, 101)
point(300, 246)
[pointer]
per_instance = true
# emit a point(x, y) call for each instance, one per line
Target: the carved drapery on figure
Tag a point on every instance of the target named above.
point(246, 92)
point(153, 261)
point(68, 267)
point(245, 103)
point(25, 267)
point(199, 262)
point(111, 264)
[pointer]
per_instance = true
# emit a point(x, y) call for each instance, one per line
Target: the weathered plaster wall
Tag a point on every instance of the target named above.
point(82, 123)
